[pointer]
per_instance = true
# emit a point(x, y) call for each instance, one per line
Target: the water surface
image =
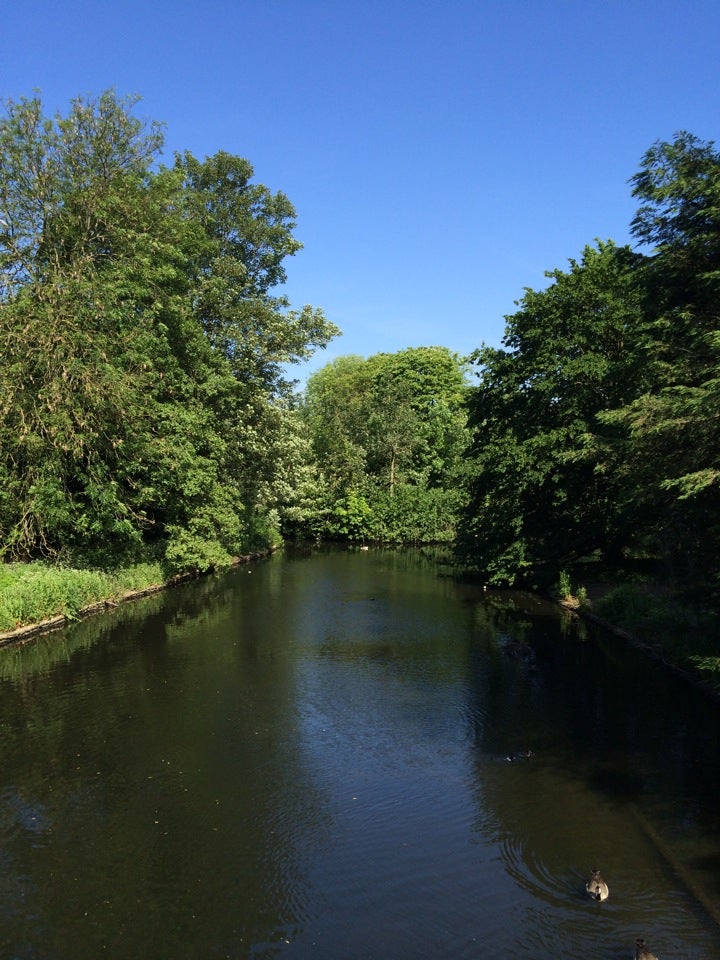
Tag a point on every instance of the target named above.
point(323, 756)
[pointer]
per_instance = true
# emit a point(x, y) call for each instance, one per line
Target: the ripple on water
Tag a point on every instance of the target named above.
point(551, 829)
point(20, 816)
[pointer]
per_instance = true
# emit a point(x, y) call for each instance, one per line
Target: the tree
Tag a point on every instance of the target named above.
point(335, 409)
point(140, 380)
point(80, 321)
point(419, 410)
point(540, 495)
point(673, 430)
point(389, 424)
point(248, 235)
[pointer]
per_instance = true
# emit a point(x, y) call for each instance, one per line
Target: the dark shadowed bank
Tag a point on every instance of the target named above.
point(647, 614)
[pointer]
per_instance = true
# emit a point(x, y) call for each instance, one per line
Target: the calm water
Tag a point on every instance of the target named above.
point(307, 758)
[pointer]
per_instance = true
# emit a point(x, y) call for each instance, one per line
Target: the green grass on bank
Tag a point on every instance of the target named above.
point(685, 635)
point(679, 627)
point(31, 592)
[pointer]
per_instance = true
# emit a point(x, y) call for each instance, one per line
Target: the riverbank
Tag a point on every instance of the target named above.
point(37, 599)
point(647, 613)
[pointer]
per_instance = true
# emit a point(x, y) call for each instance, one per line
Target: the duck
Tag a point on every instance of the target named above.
point(523, 755)
point(596, 886)
point(642, 952)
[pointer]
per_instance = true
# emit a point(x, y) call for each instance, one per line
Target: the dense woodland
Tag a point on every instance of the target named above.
point(145, 406)
point(595, 426)
point(143, 343)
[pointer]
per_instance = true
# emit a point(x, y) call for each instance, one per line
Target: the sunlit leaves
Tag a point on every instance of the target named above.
point(141, 348)
point(391, 430)
point(248, 234)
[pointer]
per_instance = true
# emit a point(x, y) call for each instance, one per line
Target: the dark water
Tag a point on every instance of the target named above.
point(307, 758)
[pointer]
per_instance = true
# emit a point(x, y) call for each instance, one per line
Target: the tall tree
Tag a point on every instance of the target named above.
point(140, 345)
point(540, 496)
point(79, 333)
point(249, 233)
point(387, 430)
point(419, 414)
point(672, 452)
point(335, 408)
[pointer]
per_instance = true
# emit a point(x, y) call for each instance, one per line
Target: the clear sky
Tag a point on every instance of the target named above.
point(441, 154)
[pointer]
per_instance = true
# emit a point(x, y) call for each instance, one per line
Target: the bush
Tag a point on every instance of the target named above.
point(631, 607)
point(414, 514)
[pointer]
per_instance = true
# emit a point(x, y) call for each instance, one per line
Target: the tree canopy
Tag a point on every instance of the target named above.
point(142, 348)
point(595, 426)
point(145, 342)
point(388, 434)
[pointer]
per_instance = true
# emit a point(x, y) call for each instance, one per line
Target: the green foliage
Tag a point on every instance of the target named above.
point(709, 669)
point(669, 458)
point(572, 597)
point(630, 605)
point(349, 518)
point(247, 232)
point(414, 514)
point(564, 587)
point(595, 428)
point(539, 496)
point(335, 412)
point(33, 592)
point(684, 635)
point(143, 399)
point(195, 550)
point(392, 427)
point(679, 191)
point(141, 347)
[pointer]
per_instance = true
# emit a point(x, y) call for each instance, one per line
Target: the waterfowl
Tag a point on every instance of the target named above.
point(642, 952)
point(596, 886)
point(524, 755)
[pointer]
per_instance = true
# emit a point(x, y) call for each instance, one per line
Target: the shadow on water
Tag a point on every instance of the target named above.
point(625, 770)
point(122, 830)
point(350, 754)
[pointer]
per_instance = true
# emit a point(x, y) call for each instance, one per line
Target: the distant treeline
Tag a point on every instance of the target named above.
point(144, 410)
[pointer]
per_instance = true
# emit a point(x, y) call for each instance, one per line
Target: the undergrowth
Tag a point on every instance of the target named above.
point(31, 592)
point(684, 635)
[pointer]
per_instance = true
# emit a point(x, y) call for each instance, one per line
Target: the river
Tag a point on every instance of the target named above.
point(351, 754)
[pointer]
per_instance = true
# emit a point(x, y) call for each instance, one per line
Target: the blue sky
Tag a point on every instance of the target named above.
point(441, 154)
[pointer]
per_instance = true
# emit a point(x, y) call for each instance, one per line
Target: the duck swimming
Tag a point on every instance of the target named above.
point(642, 952)
point(596, 886)
point(524, 755)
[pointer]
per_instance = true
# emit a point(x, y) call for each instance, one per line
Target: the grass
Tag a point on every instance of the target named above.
point(683, 634)
point(32, 592)
point(680, 628)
